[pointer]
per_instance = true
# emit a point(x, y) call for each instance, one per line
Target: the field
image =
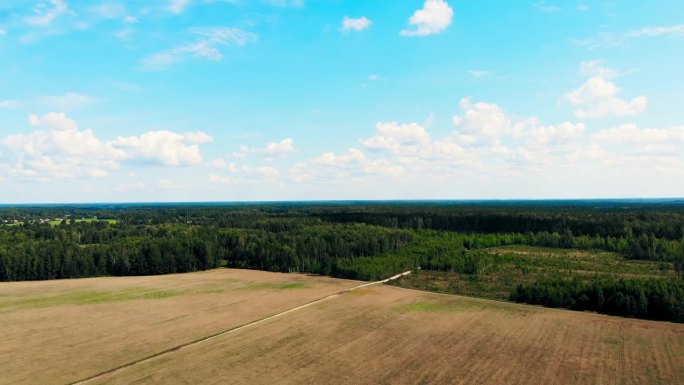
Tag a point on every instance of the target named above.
point(59, 332)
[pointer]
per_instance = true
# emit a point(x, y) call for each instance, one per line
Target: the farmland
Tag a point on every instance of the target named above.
point(59, 332)
point(56, 332)
point(613, 257)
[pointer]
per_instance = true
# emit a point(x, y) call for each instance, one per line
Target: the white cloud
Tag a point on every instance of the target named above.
point(206, 45)
point(281, 148)
point(480, 73)
point(244, 174)
point(582, 8)
point(599, 97)
point(3, 32)
point(435, 17)
point(355, 24)
point(218, 163)
point(131, 187)
point(633, 134)
point(167, 184)
point(178, 6)
point(68, 101)
point(373, 77)
point(352, 165)
point(54, 120)
point(46, 12)
point(539, 135)
point(164, 147)
point(543, 7)
point(10, 104)
point(670, 30)
point(109, 10)
point(607, 39)
point(481, 122)
point(392, 136)
point(285, 3)
point(60, 149)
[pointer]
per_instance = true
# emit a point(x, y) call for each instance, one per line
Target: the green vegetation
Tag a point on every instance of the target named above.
point(431, 307)
point(90, 297)
point(553, 254)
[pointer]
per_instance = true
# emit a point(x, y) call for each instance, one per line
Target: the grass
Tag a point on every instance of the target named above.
point(521, 264)
point(92, 297)
point(275, 286)
point(431, 307)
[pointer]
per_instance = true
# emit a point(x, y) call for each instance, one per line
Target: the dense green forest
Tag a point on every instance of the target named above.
point(628, 256)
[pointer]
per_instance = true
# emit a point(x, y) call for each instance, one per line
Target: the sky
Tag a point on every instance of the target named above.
point(260, 100)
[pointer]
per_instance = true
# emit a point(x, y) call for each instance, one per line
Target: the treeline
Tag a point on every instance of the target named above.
point(37, 252)
point(656, 299)
point(334, 250)
point(30, 255)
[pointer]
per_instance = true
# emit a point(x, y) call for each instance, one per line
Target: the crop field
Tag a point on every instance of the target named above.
point(60, 332)
point(57, 332)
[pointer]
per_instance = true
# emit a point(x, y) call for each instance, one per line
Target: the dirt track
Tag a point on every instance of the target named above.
point(155, 356)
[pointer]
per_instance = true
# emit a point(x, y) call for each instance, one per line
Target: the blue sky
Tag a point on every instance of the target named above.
point(222, 100)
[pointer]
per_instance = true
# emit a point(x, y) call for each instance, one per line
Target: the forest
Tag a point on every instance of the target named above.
point(617, 257)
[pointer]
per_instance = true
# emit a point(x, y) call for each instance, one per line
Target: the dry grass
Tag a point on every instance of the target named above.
point(57, 332)
point(375, 335)
point(387, 335)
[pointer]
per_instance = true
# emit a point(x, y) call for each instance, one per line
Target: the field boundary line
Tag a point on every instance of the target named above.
point(176, 348)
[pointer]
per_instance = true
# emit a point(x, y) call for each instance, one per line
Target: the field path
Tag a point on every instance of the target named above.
point(231, 330)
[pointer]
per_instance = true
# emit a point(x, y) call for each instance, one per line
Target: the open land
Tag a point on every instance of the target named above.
point(513, 265)
point(60, 332)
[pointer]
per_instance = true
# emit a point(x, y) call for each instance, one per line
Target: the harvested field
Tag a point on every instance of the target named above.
point(58, 332)
point(390, 335)
point(378, 334)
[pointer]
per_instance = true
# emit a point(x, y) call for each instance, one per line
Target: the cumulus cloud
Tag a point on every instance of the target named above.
point(633, 134)
point(59, 148)
point(355, 24)
point(206, 45)
point(598, 97)
point(164, 147)
point(244, 174)
point(281, 148)
point(353, 164)
point(392, 136)
point(435, 17)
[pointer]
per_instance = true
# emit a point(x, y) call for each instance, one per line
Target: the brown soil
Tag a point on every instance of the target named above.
point(57, 332)
point(388, 335)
